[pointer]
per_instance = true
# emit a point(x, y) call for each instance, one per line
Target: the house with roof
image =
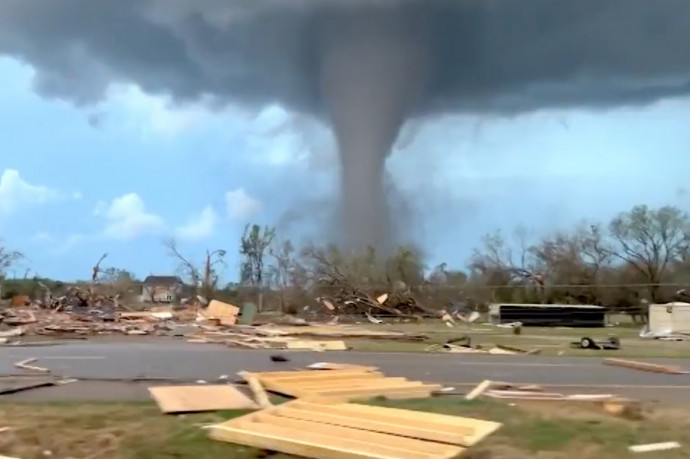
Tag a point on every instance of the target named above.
point(162, 289)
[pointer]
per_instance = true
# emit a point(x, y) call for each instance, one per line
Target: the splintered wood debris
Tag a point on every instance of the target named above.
point(502, 390)
point(189, 399)
point(336, 430)
point(349, 384)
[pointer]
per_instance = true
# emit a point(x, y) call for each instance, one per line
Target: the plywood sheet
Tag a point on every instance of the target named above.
point(187, 399)
point(217, 309)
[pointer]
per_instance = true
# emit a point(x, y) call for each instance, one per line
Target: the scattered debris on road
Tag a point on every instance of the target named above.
point(24, 365)
point(645, 366)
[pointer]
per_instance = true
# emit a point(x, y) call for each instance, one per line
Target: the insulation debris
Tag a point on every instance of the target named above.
point(653, 447)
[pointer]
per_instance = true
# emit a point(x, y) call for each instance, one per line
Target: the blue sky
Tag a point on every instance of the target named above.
point(119, 177)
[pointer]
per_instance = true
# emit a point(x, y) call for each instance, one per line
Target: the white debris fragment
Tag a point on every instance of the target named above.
point(654, 447)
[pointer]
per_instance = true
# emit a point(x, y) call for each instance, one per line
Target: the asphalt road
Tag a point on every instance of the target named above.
point(110, 361)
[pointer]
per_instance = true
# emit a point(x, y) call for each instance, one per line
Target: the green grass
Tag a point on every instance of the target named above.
point(140, 431)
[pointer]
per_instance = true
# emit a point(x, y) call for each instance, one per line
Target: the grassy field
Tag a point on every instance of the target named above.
point(139, 431)
point(550, 341)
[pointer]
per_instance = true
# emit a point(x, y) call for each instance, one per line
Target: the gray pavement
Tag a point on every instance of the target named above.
point(182, 361)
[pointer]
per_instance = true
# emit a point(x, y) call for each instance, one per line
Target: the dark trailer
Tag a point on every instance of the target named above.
point(548, 315)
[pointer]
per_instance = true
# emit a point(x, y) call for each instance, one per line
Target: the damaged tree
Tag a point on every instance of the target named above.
point(204, 280)
point(7, 259)
point(344, 297)
point(650, 241)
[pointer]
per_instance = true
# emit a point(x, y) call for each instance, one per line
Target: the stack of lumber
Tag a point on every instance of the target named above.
point(346, 384)
point(322, 429)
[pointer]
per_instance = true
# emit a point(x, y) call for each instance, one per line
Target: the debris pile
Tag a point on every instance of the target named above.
point(350, 301)
point(310, 337)
point(463, 345)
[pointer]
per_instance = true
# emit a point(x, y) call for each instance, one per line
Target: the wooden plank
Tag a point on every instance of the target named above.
point(187, 399)
point(260, 394)
point(474, 430)
point(339, 366)
point(311, 445)
point(378, 391)
point(315, 345)
point(411, 416)
point(411, 444)
point(344, 395)
point(645, 366)
point(373, 425)
point(479, 390)
point(347, 383)
point(293, 376)
point(384, 417)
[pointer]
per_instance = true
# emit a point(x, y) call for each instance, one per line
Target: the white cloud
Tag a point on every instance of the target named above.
point(127, 218)
point(240, 205)
point(156, 115)
point(16, 193)
point(42, 237)
point(200, 227)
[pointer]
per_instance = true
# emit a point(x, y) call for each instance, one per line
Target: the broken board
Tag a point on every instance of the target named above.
point(351, 431)
point(190, 399)
point(645, 366)
point(217, 309)
point(312, 345)
point(344, 384)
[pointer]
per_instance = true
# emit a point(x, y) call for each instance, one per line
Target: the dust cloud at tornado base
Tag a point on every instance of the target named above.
point(363, 66)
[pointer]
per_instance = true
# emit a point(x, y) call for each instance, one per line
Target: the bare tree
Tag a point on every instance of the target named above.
point(253, 248)
point(204, 280)
point(284, 262)
point(650, 241)
point(7, 259)
point(498, 261)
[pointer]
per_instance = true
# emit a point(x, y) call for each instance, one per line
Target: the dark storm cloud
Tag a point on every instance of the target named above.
point(365, 65)
point(485, 55)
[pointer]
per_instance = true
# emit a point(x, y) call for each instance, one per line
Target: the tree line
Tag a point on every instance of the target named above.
point(640, 255)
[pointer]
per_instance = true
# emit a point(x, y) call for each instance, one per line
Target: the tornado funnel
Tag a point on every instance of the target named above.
point(373, 70)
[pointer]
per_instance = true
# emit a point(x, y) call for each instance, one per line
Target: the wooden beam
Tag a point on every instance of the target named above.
point(257, 388)
point(645, 366)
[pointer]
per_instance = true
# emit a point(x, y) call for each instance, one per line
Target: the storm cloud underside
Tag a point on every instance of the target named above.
point(365, 66)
